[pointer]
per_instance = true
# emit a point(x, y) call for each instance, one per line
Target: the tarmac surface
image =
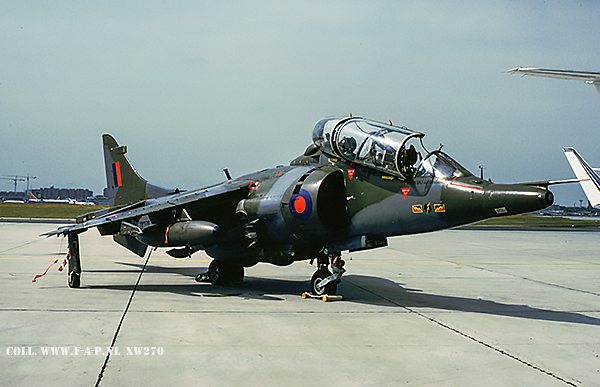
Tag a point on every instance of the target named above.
point(457, 308)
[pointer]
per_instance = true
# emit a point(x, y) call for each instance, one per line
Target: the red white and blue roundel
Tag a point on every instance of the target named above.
point(301, 205)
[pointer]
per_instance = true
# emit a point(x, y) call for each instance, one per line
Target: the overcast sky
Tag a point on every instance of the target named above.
point(193, 87)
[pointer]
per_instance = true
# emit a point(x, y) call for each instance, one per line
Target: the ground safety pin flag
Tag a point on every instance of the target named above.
point(41, 275)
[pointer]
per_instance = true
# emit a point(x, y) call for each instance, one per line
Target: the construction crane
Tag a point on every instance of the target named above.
point(17, 178)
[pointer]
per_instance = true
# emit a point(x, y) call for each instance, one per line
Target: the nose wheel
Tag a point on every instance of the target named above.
point(319, 287)
point(323, 281)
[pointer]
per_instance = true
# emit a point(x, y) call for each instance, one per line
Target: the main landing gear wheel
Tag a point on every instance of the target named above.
point(220, 273)
point(317, 278)
point(74, 280)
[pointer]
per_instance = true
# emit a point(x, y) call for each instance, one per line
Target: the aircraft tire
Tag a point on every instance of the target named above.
point(330, 289)
point(236, 273)
point(220, 273)
point(216, 273)
point(74, 280)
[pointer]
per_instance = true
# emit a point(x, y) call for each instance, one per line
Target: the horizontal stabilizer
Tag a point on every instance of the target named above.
point(586, 76)
point(547, 183)
point(590, 181)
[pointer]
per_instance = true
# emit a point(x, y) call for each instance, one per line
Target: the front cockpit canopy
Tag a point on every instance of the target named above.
point(373, 144)
point(389, 149)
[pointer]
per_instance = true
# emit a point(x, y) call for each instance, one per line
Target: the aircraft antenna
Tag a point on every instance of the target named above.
point(423, 145)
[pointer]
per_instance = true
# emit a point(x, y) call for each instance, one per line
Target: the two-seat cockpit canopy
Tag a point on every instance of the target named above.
point(387, 148)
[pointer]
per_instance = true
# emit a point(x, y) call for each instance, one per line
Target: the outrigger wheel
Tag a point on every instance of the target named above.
point(74, 280)
point(74, 277)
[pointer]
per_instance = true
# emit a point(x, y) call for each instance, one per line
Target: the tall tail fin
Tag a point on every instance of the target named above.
point(124, 184)
point(590, 181)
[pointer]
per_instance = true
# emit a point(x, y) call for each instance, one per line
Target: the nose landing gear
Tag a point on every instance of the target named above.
point(323, 281)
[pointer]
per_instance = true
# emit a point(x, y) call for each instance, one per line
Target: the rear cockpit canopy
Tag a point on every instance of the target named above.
point(376, 145)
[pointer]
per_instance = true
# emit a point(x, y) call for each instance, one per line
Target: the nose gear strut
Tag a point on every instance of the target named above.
point(324, 281)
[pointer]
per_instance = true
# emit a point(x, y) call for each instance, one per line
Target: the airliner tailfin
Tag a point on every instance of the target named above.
point(590, 181)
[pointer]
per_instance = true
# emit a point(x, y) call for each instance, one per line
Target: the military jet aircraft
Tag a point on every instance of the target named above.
point(359, 183)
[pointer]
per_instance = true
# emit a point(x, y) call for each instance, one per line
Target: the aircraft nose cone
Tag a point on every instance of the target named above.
point(514, 199)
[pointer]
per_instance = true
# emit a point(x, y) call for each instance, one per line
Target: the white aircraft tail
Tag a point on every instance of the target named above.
point(589, 180)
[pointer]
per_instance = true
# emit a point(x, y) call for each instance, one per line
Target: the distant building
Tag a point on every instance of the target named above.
point(79, 194)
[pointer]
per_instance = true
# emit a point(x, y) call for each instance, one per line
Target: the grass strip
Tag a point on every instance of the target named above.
point(44, 210)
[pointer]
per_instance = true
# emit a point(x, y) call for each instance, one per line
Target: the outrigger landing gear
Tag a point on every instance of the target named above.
point(74, 261)
point(324, 281)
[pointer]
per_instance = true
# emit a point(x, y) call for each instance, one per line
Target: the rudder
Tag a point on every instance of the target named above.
point(124, 185)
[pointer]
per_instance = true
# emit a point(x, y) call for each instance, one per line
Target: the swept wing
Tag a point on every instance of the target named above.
point(201, 197)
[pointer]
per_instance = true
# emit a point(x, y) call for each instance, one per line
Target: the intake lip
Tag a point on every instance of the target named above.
point(549, 198)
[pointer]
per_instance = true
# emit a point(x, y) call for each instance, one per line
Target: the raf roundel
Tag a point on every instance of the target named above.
point(301, 205)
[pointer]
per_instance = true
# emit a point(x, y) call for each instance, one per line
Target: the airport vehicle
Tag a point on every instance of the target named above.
point(357, 184)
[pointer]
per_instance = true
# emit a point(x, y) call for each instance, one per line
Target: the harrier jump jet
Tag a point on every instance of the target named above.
point(359, 183)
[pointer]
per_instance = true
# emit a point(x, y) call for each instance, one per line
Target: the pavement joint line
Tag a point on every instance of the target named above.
point(193, 311)
point(101, 374)
point(27, 244)
point(473, 263)
point(472, 338)
point(536, 281)
point(115, 260)
point(207, 311)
